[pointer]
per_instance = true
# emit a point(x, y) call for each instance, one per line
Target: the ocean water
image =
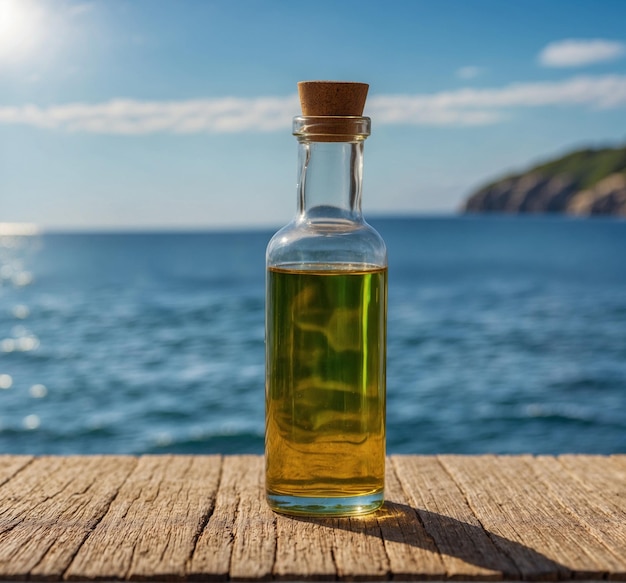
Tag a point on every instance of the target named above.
point(505, 335)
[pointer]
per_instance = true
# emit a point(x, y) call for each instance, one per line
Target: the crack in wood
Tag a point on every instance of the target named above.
point(97, 521)
point(488, 533)
point(205, 518)
point(11, 466)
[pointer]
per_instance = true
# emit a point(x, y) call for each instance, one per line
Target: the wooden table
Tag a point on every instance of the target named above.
point(205, 518)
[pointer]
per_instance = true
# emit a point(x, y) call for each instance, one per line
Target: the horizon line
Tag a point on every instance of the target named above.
point(31, 228)
point(9, 230)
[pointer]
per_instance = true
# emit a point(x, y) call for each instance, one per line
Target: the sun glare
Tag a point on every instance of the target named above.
point(18, 229)
point(20, 28)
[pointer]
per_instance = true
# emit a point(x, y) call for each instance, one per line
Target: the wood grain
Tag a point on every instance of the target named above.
point(304, 549)
point(49, 508)
point(411, 551)
point(358, 549)
point(543, 538)
point(152, 526)
point(254, 543)
point(175, 518)
point(466, 549)
point(238, 541)
point(605, 477)
point(11, 464)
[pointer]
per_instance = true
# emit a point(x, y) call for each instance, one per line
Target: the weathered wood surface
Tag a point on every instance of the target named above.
point(196, 518)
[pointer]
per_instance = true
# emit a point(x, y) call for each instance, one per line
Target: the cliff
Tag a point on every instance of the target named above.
point(585, 182)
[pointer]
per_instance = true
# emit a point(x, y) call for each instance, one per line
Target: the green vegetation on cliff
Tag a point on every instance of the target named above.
point(586, 167)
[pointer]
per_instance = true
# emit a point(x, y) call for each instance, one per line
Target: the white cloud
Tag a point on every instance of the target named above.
point(580, 52)
point(462, 107)
point(127, 116)
point(468, 72)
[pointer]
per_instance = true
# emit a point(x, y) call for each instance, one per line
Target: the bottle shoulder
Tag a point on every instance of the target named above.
point(327, 242)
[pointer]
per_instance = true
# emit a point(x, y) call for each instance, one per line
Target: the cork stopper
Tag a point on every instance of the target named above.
point(332, 111)
point(332, 98)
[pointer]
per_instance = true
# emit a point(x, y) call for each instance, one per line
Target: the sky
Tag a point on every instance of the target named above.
point(155, 114)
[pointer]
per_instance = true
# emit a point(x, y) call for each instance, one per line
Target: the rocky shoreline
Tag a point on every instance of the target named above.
point(586, 182)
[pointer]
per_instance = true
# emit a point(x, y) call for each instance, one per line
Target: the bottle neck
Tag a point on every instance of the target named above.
point(330, 180)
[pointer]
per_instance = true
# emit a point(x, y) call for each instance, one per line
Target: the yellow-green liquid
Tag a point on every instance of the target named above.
point(325, 389)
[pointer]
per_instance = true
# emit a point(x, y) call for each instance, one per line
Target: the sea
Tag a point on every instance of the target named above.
point(506, 334)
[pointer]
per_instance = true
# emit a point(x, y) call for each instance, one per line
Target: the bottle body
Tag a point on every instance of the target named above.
point(326, 345)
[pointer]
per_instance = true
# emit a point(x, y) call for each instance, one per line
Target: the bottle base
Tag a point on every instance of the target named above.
point(326, 506)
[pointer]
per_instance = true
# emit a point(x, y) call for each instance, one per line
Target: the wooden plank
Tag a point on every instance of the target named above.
point(598, 514)
point(49, 509)
point(239, 539)
point(606, 476)
point(412, 553)
point(211, 556)
point(304, 549)
point(151, 528)
point(544, 540)
point(467, 551)
point(11, 464)
point(24, 491)
point(254, 545)
point(620, 459)
point(358, 549)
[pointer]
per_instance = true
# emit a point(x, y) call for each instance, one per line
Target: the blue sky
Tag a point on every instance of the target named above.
point(176, 114)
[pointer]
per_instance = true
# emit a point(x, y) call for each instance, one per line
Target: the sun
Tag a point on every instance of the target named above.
point(20, 28)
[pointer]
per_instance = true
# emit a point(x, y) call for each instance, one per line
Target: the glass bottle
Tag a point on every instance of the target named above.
point(326, 333)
